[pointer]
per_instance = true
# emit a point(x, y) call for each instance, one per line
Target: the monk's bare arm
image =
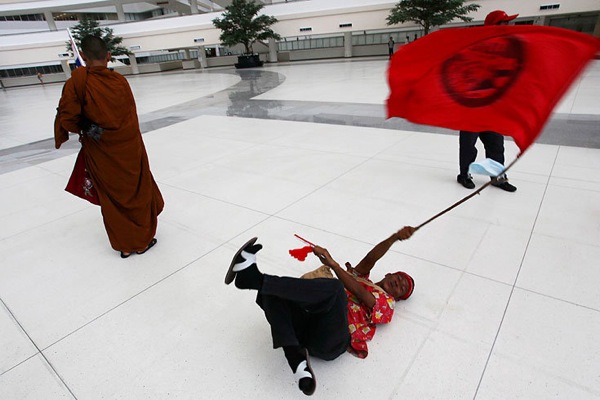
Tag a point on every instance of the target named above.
point(366, 264)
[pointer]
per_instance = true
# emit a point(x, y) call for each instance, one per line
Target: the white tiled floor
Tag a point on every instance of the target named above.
point(506, 305)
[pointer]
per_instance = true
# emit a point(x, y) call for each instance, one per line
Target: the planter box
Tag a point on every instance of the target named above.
point(249, 61)
point(159, 67)
point(191, 64)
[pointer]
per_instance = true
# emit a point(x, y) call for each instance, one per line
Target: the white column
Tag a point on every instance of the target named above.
point(66, 69)
point(347, 44)
point(540, 20)
point(202, 57)
point(50, 20)
point(186, 54)
point(194, 6)
point(120, 11)
point(134, 65)
point(272, 50)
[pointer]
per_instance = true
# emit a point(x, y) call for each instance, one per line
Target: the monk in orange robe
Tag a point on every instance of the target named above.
point(116, 160)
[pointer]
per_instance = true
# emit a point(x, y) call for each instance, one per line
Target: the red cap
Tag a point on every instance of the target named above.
point(411, 284)
point(495, 17)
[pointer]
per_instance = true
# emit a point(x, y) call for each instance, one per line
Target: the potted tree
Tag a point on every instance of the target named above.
point(90, 27)
point(430, 13)
point(239, 24)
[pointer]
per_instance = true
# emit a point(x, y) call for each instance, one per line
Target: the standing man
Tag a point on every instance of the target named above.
point(116, 159)
point(493, 142)
point(391, 47)
point(323, 317)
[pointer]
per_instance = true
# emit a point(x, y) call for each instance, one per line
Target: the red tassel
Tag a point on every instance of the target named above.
point(300, 254)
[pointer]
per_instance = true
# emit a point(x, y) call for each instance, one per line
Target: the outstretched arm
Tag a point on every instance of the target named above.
point(347, 279)
point(366, 264)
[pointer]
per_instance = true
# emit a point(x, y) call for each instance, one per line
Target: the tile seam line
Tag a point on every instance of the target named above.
point(173, 186)
point(44, 224)
point(430, 331)
point(514, 285)
point(559, 299)
point(364, 161)
point(147, 288)
point(39, 351)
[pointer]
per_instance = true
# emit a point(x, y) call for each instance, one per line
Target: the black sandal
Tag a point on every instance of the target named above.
point(230, 276)
point(150, 245)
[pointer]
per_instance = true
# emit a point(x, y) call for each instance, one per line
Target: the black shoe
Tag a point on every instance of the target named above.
point(243, 267)
point(466, 181)
point(150, 245)
point(303, 372)
point(505, 186)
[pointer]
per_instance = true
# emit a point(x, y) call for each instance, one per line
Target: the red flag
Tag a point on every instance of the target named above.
point(505, 79)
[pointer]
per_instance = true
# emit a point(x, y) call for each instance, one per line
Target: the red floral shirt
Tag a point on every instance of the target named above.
point(362, 320)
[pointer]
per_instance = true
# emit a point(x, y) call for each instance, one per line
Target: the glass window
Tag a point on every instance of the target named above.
point(579, 23)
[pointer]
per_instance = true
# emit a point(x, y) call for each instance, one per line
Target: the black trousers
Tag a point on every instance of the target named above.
point(493, 143)
point(310, 313)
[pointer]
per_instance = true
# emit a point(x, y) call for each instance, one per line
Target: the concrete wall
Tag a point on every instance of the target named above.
point(221, 61)
point(33, 80)
point(159, 67)
point(333, 52)
point(372, 50)
point(227, 61)
point(311, 54)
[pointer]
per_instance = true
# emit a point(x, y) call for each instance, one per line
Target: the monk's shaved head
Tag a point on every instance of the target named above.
point(94, 48)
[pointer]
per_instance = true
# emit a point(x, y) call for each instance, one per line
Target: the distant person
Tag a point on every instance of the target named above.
point(416, 37)
point(407, 39)
point(493, 142)
point(116, 158)
point(323, 317)
point(40, 76)
point(391, 44)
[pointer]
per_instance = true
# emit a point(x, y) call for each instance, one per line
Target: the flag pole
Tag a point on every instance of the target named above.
point(493, 180)
point(78, 57)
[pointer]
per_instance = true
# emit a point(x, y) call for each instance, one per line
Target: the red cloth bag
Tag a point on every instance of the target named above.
point(80, 184)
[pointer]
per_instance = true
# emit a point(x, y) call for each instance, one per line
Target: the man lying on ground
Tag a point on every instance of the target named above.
point(322, 316)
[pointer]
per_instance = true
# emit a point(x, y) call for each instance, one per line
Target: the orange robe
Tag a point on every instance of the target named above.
point(118, 164)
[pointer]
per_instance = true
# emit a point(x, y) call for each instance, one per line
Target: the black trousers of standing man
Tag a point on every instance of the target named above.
point(310, 313)
point(493, 143)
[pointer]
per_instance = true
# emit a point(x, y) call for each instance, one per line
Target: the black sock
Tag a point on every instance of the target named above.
point(251, 277)
point(294, 356)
